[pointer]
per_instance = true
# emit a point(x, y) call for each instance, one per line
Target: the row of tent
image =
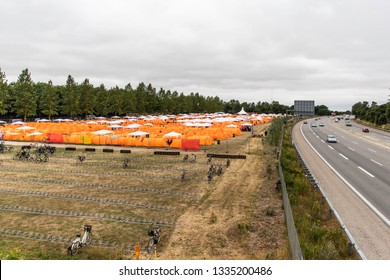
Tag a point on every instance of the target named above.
point(145, 132)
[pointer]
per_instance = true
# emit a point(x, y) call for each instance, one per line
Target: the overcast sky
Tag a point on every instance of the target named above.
point(336, 52)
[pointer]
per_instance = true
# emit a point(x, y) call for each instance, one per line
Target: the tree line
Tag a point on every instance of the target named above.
point(374, 113)
point(25, 98)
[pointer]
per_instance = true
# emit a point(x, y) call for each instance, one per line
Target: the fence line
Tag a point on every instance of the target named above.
point(93, 185)
point(291, 230)
point(86, 198)
point(63, 213)
point(332, 211)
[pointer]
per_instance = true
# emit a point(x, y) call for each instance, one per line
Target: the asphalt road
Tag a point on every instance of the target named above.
point(355, 174)
point(361, 159)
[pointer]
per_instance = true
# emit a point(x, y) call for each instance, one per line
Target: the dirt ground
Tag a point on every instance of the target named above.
point(241, 217)
point(237, 216)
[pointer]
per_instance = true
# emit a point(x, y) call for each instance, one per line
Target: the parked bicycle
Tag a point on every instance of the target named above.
point(154, 239)
point(45, 148)
point(4, 148)
point(80, 242)
point(125, 163)
point(80, 159)
point(23, 154)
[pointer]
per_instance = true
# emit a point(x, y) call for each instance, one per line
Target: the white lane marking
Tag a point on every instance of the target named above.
point(372, 150)
point(374, 161)
point(343, 156)
point(355, 143)
point(369, 204)
point(318, 136)
point(331, 147)
point(365, 171)
point(343, 137)
point(322, 141)
point(351, 149)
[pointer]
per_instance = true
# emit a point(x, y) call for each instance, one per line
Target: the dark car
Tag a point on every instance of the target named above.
point(365, 130)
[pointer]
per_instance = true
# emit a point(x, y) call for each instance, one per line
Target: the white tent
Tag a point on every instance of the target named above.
point(242, 112)
point(134, 125)
point(35, 133)
point(115, 126)
point(102, 132)
point(25, 127)
point(231, 126)
point(19, 122)
point(138, 133)
point(172, 135)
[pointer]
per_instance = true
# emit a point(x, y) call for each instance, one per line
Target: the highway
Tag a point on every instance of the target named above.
point(361, 162)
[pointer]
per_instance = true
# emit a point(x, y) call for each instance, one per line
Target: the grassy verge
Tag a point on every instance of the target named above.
point(320, 234)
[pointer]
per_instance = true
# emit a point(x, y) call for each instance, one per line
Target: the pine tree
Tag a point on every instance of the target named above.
point(49, 102)
point(4, 97)
point(25, 103)
point(71, 98)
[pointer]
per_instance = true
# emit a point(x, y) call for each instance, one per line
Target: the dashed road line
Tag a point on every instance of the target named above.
point(372, 150)
point(331, 147)
point(343, 156)
point(374, 161)
point(365, 171)
point(351, 149)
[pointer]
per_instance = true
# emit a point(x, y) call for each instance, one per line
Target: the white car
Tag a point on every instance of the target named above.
point(331, 139)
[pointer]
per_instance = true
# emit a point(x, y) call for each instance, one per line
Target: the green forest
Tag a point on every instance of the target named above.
point(373, 113)
point(25, 98)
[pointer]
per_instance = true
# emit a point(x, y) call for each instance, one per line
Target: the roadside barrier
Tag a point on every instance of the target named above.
point(295, 247)
point(332, 211)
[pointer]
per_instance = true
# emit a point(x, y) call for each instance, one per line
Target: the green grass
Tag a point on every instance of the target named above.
point(320, 238)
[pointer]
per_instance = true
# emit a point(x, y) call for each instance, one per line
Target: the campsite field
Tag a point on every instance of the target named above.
point(238, 215)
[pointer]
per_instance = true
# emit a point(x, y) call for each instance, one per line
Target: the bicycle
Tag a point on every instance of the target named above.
point(4, 148)
point(79, 241)
point(80, 159)
point(154, 239)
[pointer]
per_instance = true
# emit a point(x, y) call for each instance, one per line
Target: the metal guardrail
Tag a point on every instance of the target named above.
point(291, 230)
point(332, 211)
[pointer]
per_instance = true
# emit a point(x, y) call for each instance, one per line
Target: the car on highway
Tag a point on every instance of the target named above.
point(313, 124)
point(322, 124)
point(305, 122)
point(365, 129)
point(348, 124)
point(331, 139)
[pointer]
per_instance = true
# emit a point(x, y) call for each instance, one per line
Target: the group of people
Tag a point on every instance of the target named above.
point(215, 169)
point(193, 158)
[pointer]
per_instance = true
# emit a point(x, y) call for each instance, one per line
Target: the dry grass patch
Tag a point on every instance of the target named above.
point(224, 219)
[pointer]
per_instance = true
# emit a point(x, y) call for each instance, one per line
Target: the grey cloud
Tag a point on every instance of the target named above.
point(333, 51)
